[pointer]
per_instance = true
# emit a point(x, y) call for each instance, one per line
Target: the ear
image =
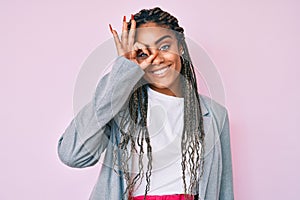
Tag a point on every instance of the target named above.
point(181, 51)
point(180, 47)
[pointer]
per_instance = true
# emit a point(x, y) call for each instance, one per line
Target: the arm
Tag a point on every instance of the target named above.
point(226, 190)
point(88, 134)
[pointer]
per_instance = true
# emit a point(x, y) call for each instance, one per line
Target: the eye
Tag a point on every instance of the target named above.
point(142, 55)
point(164, 47)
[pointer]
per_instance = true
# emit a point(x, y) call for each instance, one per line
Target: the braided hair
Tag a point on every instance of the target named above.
point(133, 128)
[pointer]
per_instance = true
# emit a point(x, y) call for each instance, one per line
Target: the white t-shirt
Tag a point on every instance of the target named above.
point(165, 126)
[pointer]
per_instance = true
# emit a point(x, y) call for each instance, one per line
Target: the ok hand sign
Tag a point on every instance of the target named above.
point(129, 48)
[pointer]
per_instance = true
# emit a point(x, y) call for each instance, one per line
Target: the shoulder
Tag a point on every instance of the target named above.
point(213, 109)
point(211, 104)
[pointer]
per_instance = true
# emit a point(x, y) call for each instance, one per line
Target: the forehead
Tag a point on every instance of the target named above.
point(150, 32)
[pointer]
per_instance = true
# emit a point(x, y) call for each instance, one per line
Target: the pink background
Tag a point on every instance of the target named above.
point(254, 44)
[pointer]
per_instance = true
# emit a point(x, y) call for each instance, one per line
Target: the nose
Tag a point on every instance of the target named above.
point(158, 59)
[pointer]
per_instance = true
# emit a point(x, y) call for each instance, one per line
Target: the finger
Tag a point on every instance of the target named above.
point(139, 46)
point(133, 55)
point(111, 29)
point(139, 49)
point(124, 36)
point(148, 61)
point(131, 36)
point(117, 40)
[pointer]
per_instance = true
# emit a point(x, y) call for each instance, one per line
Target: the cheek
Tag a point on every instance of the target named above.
point(177, 62)
point(174, 58)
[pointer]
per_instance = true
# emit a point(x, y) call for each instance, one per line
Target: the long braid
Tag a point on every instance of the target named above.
point(192, 143)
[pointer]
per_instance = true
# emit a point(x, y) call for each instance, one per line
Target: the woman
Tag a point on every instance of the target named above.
point(162, 139)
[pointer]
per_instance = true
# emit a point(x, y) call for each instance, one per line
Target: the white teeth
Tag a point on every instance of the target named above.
point(161, 71)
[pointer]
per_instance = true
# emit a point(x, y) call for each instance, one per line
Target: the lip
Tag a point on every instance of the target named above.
point(161, 71)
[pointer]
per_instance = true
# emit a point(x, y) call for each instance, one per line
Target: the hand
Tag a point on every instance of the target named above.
point(129, 48)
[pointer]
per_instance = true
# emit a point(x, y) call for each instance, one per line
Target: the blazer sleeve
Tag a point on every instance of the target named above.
point(226, 190)
point(87, 136)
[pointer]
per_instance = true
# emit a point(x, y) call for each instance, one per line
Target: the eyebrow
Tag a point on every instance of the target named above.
point(162, 38)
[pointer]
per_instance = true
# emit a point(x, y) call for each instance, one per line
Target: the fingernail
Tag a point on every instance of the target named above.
point(132, 17)
point(111, 30)
point(124, 19)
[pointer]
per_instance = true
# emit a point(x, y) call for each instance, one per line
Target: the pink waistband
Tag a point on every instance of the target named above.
point(165, 197)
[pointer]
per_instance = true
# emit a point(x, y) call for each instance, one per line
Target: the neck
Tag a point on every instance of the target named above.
point(172, 91)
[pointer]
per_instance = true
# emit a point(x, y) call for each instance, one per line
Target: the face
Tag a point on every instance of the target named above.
point(163, 74)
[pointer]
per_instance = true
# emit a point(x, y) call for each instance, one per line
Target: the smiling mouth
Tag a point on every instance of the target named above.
point(160, 71)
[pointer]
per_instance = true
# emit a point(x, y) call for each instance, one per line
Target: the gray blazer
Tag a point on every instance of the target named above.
point(95, 129)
